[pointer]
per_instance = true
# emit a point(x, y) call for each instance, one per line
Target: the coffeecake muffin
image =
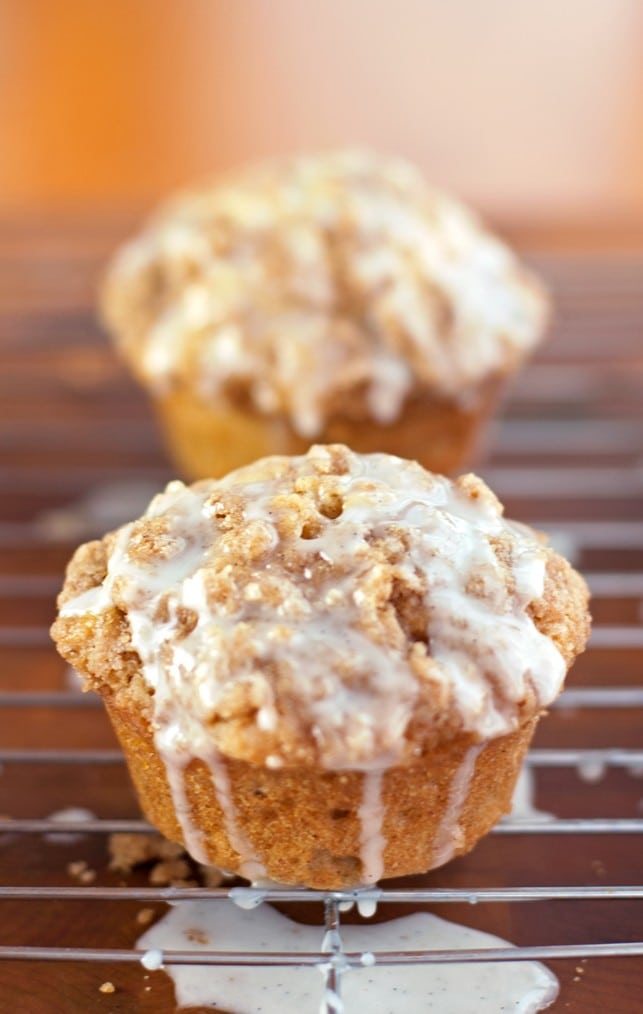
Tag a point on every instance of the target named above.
point(325, 669)
point(335, 298)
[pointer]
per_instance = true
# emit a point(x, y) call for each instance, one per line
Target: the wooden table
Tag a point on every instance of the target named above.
point(76, 434)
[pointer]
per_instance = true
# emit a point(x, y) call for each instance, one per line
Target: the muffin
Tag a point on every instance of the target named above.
point(324, 669)
point(333, 297)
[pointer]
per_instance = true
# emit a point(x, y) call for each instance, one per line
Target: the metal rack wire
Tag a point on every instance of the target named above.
point(567, 458)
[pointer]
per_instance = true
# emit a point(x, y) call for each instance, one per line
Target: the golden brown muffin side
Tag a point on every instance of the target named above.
point(208, 439)
point(304, 824)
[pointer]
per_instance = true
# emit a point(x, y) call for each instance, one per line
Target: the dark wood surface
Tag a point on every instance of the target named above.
point(567, 454)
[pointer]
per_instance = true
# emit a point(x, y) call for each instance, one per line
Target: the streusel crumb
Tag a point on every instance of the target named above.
point(130, 850)
point(329, 609)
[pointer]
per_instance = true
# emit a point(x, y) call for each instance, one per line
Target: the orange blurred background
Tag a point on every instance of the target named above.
point(531, 110)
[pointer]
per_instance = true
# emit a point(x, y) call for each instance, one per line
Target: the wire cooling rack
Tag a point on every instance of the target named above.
point(567, 457)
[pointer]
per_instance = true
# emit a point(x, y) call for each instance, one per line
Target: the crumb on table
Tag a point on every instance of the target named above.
point(81, 871)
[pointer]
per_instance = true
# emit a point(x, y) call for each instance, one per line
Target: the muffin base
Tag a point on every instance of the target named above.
point(304, 825)
point(207, 441)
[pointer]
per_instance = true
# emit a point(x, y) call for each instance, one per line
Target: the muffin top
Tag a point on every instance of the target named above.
point(323, 285)
point(335, 609)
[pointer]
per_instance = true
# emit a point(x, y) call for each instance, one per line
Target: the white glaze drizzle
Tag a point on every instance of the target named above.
point(192, 835)
point(591, 769)
point(367, 902)
point(371, 815)
point(152, 960)
point(248, 897)
point(69, 815)
point(250, 867)
point(523, 806)
point(178, 738)
point(449, 835)
point(486, 988)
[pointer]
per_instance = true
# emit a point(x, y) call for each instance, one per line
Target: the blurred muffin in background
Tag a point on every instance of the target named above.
point(330, 298)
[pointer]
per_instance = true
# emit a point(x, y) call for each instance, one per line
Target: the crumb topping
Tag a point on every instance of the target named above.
point(167, 863)
point(338, 609)
point(338, 282)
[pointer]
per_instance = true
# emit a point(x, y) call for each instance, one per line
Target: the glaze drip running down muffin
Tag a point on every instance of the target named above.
point(330, 296)
point(324, 669)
